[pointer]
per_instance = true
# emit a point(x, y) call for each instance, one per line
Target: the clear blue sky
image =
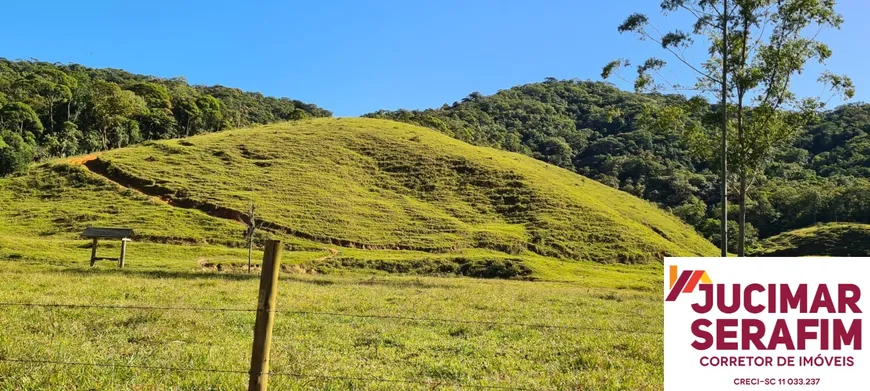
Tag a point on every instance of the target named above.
point(353, 57)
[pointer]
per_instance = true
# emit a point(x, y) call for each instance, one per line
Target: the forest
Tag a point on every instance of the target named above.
point(56, 110)
point(595, 129)
point(822, 174)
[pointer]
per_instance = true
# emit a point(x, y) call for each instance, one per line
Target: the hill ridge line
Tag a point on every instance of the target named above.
point(105, 169)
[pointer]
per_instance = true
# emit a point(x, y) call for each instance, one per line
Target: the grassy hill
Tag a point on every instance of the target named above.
point(353, 200)
point(351, 192)
point(606, 134)
point(834, 239)
point(375, 184)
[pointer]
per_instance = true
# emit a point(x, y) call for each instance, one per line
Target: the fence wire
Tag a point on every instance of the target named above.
point(127, 307)
point(347, 315)
point(117, 365)
point(430, 383)
point(480, 322)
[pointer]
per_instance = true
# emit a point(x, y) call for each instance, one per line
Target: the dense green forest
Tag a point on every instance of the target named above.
point(602, 132)
point(50, 110)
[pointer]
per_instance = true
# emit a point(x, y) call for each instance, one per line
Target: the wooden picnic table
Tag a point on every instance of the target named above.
point(97, 233)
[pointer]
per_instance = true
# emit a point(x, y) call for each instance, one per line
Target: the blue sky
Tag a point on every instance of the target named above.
point(354, 57)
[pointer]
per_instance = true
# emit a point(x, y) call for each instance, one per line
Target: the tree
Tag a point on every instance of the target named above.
point(298, 114)
point(113, 108)
point(121, 131)
point(710, 20)
point(762, 67)
point(187, 113)
point(211, 110)
point(54, 94)
point(81, 96)
point(157, 122)
point(21, 117)
point(56, 87)
point(15, 153)
point(556, 151)
point(68, 140)
point(156, 96)
point(692, 212)
point(756, 47)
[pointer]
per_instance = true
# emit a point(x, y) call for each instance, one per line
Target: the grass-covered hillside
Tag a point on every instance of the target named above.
point(353, 200)
point(376, 184)
point(609, 135)
point(834, 239)
point(349, 192)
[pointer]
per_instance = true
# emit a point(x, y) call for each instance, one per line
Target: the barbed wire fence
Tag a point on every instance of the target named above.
point(431, 383)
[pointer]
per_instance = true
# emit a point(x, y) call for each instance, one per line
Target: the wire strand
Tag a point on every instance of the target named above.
point(338, 314)
point(401, 381)
point(445, 320)
point(237, 372)
point(133, 307)
point(115, 365)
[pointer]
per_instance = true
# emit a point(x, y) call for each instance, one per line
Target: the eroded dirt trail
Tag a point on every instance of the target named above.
point(159, 193)
point(85, 160)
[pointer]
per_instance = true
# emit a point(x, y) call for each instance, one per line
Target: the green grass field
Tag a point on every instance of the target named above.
point(833, 239)
point(610, 337)
point(379, 219)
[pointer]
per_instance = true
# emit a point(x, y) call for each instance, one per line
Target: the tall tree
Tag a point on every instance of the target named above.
point(758, 46)
point(57, 88)
point(211, 110)
point(22, 118)
point(113, 108)
point(157, 122)
point(710, 20)
point(187, 113)
point(68, 140)
point(768, 112)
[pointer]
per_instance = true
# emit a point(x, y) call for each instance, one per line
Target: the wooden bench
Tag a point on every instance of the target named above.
point(97, 233)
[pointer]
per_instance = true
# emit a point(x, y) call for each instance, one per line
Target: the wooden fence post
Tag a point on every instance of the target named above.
point(259, 374)
point(123, 252)
point(94, 252)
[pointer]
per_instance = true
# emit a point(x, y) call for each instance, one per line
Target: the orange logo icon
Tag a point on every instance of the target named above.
point(685, 281)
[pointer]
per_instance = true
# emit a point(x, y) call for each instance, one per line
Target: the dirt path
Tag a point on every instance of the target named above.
point(170, 197)
point(86, 159)
point(80, 161)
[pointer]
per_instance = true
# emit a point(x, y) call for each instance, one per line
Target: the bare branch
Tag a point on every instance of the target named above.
point(760, 36)
point(681, 58)
point(678, 89)
point(701, 16)
point(719, 14)
point(665, 79)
